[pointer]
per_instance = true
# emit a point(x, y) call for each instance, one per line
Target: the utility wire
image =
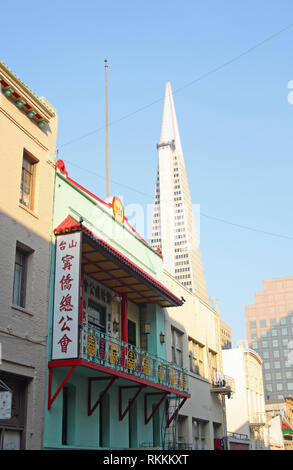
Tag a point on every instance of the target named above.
point(198, 79)
point(244, 227)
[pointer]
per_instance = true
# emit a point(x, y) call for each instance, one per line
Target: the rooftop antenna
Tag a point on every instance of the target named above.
point(107, 137)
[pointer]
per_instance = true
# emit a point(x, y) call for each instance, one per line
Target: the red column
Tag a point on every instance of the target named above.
point(124, 318)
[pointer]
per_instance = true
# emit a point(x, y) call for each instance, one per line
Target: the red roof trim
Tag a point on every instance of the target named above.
point(68, 224)
point(61, 167)
point(120, 374)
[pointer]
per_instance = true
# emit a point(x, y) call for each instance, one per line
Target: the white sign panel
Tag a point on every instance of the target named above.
point(66, 296)
point(5, 405)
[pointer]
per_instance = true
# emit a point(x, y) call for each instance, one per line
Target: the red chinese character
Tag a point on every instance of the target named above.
point(66, 261)
point(66, 282)
point(65, 303)
point(64, 341)
point(62, 245)
point(72, 244)
point(64, 326)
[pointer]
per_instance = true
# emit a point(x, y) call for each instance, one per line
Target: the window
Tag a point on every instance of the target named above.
point(177, 346)
point(283, 321)
point(268, 377)
point(276, 353)
point(27, 181)
point(254, 345)
point(284, 331)
point(263, 333)
point(275, 343)
point(97, 315)
point(289, 374)
point(20, 274)
point(274, 332)
point(131, 333)
point(290, 385)
point(263, 323)
point(252, 324)
point(277, 365)
point(273, 322)
point(199, 433)
point(196, 357)
point(269, 388)
point(266, 365)
point(265, 355)
point(278, 376)
point(212, 362)
point(264, 344)
point(253, 334)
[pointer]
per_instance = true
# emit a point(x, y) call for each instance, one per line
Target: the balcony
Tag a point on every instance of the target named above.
point(257, 420)
point(222, 384)
point(120, 358)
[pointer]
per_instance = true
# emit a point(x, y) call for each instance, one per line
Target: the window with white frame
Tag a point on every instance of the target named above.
point(177, 346)
point(196, 357)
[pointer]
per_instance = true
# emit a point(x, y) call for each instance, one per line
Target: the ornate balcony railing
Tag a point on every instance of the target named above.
point(99, 348)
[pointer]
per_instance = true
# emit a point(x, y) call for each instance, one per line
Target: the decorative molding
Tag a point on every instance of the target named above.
point(23, 129)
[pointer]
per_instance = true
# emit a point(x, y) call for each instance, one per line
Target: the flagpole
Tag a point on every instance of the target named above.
point(106, 124)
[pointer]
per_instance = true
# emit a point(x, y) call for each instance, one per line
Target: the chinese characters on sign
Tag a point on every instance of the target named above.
point(66, 297)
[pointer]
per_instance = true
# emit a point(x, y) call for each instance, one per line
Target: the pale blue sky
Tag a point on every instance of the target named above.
point(234, 117)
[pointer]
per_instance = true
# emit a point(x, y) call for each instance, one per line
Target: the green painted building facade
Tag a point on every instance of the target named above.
point(108, 380)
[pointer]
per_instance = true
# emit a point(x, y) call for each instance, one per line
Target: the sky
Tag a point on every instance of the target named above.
point(230, 67)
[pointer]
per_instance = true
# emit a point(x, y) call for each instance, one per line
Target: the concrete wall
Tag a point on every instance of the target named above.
point(197, 320)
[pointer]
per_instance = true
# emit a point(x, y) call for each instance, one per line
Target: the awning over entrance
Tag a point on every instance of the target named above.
point(117, 272)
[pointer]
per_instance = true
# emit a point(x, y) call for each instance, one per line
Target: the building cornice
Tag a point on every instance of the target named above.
point(14, 89)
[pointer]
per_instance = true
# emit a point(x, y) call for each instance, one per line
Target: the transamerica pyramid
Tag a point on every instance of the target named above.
point(173, 221)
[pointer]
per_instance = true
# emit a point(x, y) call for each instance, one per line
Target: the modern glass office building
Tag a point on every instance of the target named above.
point(269, 324)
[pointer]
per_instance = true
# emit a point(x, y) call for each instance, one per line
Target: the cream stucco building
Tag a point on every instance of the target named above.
point(193, 340)
point(246, 410)
point(28, 127)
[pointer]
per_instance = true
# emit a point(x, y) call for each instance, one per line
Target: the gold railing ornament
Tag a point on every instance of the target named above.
point(146, 365)
point(131, 359)
point(91, 344)
point(184, 380)
point(112, 353)
point(161, 372)
point(173, 376)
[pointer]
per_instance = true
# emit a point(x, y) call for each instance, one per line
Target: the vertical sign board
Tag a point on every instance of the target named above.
point(66, 296)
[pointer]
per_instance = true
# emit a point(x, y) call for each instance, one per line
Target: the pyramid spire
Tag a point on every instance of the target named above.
point(169, 129)
point(173, 225)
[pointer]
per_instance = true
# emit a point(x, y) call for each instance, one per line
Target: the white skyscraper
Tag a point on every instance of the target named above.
point(173, 222)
